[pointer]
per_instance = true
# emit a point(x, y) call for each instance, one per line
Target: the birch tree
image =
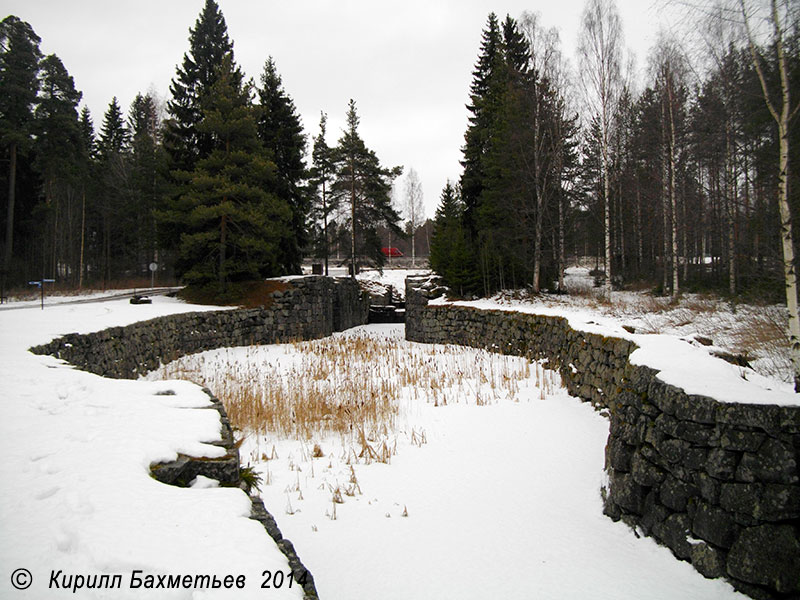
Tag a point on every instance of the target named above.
point(776, 19)
point(600, 56)
point(413, 208)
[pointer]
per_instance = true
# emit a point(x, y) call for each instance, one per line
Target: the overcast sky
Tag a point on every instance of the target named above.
point(407, 64)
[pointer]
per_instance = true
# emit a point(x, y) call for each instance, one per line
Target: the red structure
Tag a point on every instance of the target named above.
point(391, 252)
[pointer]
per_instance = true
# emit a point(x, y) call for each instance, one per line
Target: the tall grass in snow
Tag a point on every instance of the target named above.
point(352, 384)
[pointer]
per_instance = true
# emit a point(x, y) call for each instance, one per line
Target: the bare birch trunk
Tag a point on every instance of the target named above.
point(782, 119)
point(673, 201)
point(561, 258)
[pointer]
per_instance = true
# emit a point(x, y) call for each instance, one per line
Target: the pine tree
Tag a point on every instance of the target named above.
point(58, 160)
point(281, 132)
point(57, 126)
point(19, 67)
point(366, 186)
point(324, 203)
point(208, 45)
point(237, 227)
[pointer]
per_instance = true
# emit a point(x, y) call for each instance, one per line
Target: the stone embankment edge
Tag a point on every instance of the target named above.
point(299, 309)
point(717, 483)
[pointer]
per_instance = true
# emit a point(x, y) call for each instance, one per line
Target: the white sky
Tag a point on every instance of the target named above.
point(408, 64)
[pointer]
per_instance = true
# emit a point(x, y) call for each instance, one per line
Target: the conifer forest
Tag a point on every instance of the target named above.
point(680, 181)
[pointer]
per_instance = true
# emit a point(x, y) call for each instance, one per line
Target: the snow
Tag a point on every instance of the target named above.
point(394, 277)
point(33, 299)
point(502, 499)
point(679, 362)
point(77, 494)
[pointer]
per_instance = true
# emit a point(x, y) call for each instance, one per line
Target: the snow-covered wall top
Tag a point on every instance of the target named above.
point(717, 482)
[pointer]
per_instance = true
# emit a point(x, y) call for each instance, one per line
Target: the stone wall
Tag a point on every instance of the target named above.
point(717, 483)
point(301, 308)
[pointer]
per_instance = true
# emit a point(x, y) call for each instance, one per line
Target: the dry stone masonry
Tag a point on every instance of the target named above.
point(299, 309)
point(717, 483)
point(306, 308)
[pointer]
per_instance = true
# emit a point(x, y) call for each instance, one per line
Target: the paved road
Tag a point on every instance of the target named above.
point(59, 300)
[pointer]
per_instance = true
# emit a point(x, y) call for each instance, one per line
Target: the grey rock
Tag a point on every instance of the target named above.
point(775, 462)
point(709, 561)
point(673, 533)
point(767, 555)
point(721, 464)
point(714, 525)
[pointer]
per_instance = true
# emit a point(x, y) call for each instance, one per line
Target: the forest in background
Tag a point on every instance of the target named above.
point(215, 186)
point(672, 187)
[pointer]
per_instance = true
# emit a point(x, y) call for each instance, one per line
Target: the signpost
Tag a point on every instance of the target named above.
point(41, 283)
point(153, 269)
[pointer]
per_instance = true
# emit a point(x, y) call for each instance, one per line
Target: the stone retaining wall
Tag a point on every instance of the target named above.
point(717, 483)
point(302, 308)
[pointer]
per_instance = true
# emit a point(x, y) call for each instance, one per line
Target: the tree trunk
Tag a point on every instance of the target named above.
point(561, 259)
point(673, 201)
point(83, 240)
point(325, 248)
point(730, 200)
point(12, 188)
point(607, 216)
point(353, 220)
point(782, 120)
point(639, 244)
point(223, 240)
point(665, 198)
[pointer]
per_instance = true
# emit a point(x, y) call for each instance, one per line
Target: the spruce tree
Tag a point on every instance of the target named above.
point(237, 226)
point(147, 172)
point(114, 136)
point(208, 45)
point(88, 151)
point(476, 137)
point(366, 186)
point(86, 125)
point(451, 256)
point(19, 67)
point(281, 132)
point(116, 213)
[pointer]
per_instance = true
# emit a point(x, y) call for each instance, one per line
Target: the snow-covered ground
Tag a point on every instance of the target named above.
point(490, 490)
point(502, 495)
point(667, 337)
point(77, 497)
